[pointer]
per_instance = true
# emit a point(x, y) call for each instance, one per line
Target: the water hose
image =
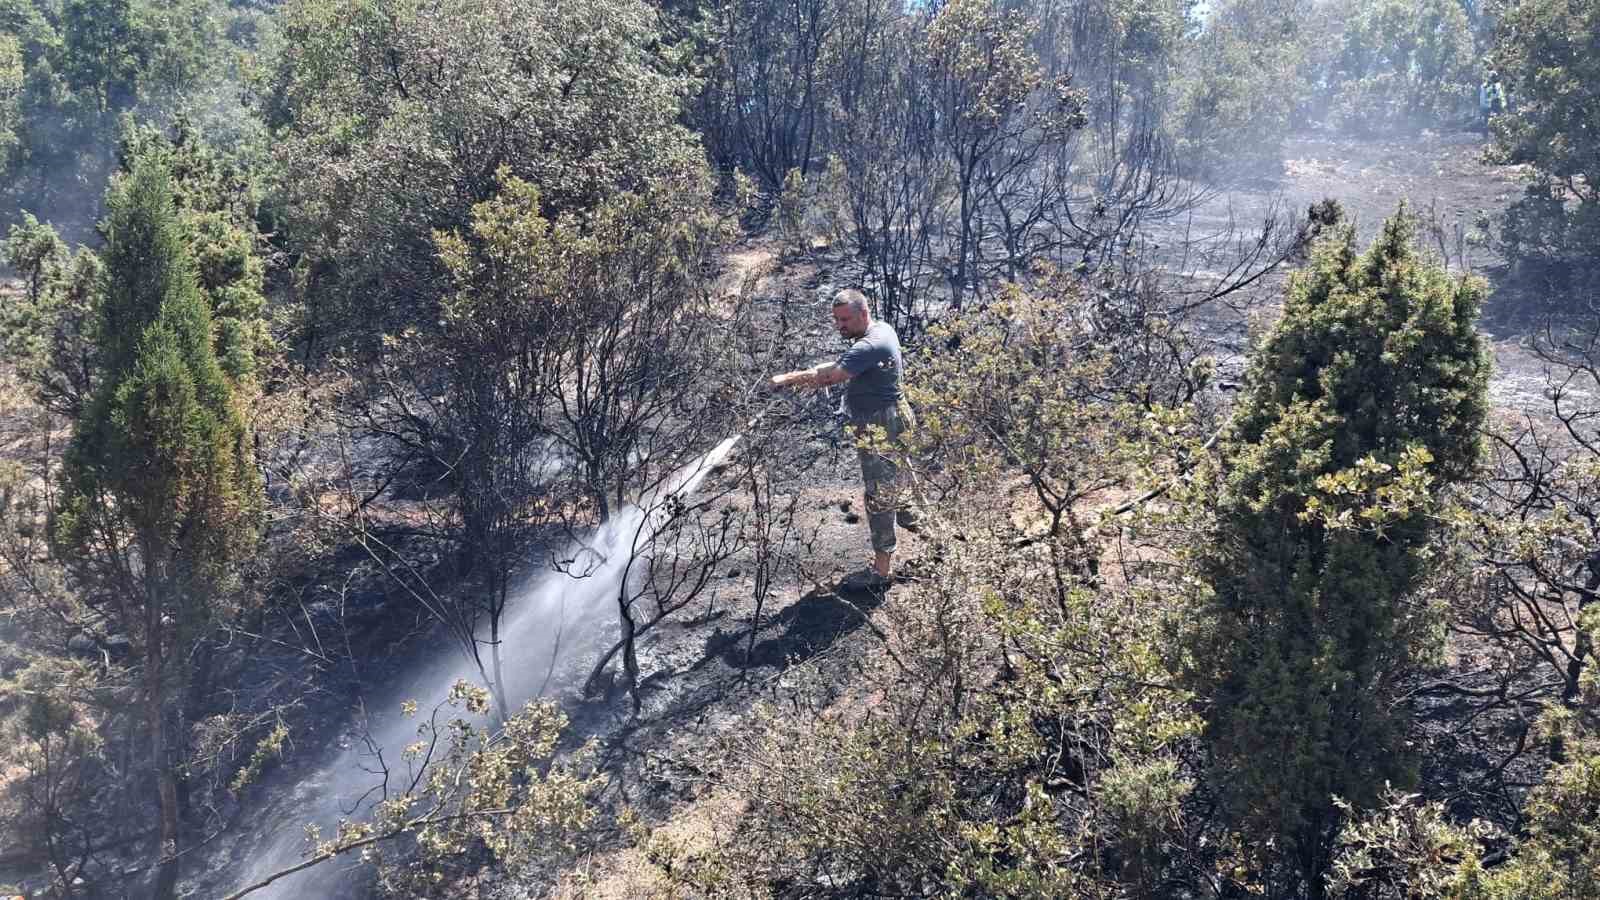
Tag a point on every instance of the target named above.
point(750, 425)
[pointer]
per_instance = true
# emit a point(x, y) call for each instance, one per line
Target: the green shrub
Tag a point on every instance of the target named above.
point(1363, 402)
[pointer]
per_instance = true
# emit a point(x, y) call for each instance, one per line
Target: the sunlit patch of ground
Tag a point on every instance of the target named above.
point(628, 874)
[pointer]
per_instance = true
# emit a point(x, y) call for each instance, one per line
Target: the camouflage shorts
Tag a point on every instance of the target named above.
point(887, 498)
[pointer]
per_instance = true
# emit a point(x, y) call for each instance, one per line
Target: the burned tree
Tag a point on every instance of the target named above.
point(582, 367)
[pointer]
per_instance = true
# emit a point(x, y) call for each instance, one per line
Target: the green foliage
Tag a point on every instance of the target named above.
point(81, 66)
point(1126, 53)
point(1405, 849)
point(1551, 233)
point(983, 66)
point(1364, 401)
point(272, 745)
point(216, 203)
point(394, 118)
point(793, 226)
point(1024, 392)
point(510, 791)
point(175, 42)
point(162, 450)
point(1408, 850)
point(52, 706)
point(1379, 351)
point(500, 201)
point(1547, 54)
point(47, 332)
point(10, 97)
point(1403, 65)
point(159, 489)
point(54, 761)
point(50, 332)
point(1559, 858)
point(578, 344)
point(1246, 74)
point(98, 60)
point(526, 803)
point(37, 253)
point(605, 314)
point(612, 301)
point(1016, 730)
point(1062, 778)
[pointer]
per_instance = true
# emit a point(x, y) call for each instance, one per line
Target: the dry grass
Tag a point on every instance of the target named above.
point(749, 270)
point(626, 874)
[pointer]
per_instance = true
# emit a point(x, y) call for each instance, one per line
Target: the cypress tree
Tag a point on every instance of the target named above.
point(160, 493)
point(1362, 402)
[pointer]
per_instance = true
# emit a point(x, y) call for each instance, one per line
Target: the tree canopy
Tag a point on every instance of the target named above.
point(393, 119)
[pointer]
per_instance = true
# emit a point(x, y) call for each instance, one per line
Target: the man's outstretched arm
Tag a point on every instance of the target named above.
point(821, 375)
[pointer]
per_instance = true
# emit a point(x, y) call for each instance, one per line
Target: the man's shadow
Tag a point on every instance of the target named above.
point(799, 631)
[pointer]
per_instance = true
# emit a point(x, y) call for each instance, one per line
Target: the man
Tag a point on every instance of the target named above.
point(873, 396)
point(1491, 98)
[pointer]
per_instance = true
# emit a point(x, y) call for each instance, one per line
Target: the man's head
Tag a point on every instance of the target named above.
point(851, 313)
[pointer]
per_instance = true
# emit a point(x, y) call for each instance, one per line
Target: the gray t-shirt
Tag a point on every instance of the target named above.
point(873, 363)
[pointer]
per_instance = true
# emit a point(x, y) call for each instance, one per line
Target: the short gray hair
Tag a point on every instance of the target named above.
point(854, 299)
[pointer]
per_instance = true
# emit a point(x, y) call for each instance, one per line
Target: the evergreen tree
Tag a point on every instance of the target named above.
point(216, 207)
point(46, 331)
point(1363, 401)
point(1548, 54)
point(10, 97)
point(159, 489)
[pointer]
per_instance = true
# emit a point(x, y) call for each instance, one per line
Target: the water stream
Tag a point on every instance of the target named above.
point(550, 606)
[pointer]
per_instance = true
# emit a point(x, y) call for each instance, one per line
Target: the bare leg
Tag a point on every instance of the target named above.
point(882, 562)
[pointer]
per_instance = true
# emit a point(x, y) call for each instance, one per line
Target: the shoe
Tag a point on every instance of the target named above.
point(868, 579)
